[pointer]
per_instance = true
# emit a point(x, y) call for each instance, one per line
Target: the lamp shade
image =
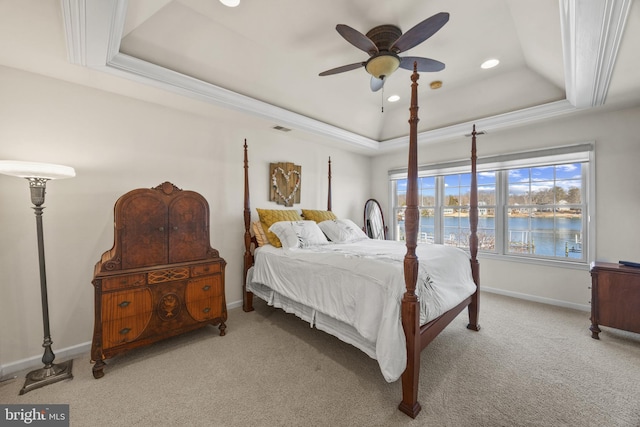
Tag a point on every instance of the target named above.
point(35, 170)
point(382, 65)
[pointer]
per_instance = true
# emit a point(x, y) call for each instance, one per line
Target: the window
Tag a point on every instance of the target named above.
point(544, 210)
point(530, 205)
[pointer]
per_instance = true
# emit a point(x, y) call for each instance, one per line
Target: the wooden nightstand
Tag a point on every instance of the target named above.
point(615, 297)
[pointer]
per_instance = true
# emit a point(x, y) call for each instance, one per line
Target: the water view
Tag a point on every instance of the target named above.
point(540, 235)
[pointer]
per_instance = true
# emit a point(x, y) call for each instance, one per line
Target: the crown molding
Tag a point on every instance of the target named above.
point(93, 30)
point(487, 124)
point(591, 34)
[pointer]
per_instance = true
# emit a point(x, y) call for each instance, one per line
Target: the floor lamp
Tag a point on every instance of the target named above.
point(38, 174)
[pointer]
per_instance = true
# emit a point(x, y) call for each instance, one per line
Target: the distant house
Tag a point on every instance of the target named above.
point(562, 206)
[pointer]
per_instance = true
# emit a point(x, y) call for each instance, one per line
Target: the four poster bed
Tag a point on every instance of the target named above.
point(367, 292)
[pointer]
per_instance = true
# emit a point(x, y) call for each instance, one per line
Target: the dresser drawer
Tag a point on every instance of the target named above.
point(127, 329)
point(204, 298)
point(119, 305)
point(204, 269)
point(124, 282)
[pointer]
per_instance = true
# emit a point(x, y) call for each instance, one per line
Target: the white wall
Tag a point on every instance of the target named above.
point(617, 142)
point(117, 144)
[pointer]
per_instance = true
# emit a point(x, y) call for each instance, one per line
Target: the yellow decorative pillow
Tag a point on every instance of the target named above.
point(258, 232)
point(270, 216)
point(318, 216)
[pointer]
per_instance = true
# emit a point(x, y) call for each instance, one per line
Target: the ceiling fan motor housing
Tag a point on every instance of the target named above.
point(383, 36)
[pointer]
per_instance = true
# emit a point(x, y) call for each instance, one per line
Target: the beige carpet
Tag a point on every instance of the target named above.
point(530, 365)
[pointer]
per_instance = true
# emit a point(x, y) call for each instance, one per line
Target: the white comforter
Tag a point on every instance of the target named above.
point(362, 283)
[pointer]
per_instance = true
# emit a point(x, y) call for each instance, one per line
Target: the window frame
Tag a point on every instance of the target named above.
point(583, 153)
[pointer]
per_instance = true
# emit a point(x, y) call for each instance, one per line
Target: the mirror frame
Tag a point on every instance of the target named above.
point(366, 227)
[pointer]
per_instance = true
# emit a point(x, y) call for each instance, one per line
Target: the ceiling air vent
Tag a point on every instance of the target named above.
point(282, 128)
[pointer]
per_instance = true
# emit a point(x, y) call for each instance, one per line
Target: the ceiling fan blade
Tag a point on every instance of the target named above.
point(424, 64)
point(420, 32)
point(376, 84)
point(342, 69)
point(357, 39)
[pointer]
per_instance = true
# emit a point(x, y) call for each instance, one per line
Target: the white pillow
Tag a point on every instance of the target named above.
point(342, 230)
point(298, 234)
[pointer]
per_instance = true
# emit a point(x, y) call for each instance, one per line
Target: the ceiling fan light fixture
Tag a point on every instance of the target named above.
point(230, 3)
point(382, 65)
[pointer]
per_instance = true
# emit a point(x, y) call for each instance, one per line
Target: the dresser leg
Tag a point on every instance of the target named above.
point(595, 330)
point(222, 328)
point(98, 369)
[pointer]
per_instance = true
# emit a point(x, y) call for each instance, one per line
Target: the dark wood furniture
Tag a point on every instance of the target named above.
point(161, 278)
point(615, 297)
point(417, 336)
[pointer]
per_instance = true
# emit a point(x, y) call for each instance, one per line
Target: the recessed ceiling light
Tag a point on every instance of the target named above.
point(489, 63)
point(230, 3)
point(393, 98)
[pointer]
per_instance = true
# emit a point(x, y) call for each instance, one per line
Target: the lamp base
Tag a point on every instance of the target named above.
point(45, 376)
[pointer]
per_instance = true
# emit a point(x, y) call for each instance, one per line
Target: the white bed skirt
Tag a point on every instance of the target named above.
point(321, 321)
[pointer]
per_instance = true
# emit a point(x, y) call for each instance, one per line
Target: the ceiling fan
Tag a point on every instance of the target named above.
point(383, 44)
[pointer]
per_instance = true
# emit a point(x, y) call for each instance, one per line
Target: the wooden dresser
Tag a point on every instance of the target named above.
point(615, 297)
point(161, 278)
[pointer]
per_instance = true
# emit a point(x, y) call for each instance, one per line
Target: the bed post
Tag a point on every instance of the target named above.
point(329, 191)
point(473, 237)
point(247, 304)
point(410, 307)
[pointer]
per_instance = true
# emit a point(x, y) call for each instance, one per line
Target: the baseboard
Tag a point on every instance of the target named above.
point(62, 354)
point(36, 361)
point(534, 298)
point(235, 304)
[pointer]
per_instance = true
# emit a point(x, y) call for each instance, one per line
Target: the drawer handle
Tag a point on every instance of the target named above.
point(206, 310)
point(175, 228)
point(205, 269)
point(125, 331)
point(160, 228)
point(124, 304)
point(206, 288)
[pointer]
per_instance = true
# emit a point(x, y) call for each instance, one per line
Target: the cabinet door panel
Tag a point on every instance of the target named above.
point(204, 297)
point(143, 234)
point(188, 233)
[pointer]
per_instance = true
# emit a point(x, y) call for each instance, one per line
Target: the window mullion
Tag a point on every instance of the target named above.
point(439, 210)
point(502, 197)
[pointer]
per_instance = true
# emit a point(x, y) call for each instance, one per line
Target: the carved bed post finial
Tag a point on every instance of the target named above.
point(329, 191)
point(410, 305)
point(248, 257)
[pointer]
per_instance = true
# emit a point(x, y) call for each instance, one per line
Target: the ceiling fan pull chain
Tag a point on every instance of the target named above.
point(382, 99)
